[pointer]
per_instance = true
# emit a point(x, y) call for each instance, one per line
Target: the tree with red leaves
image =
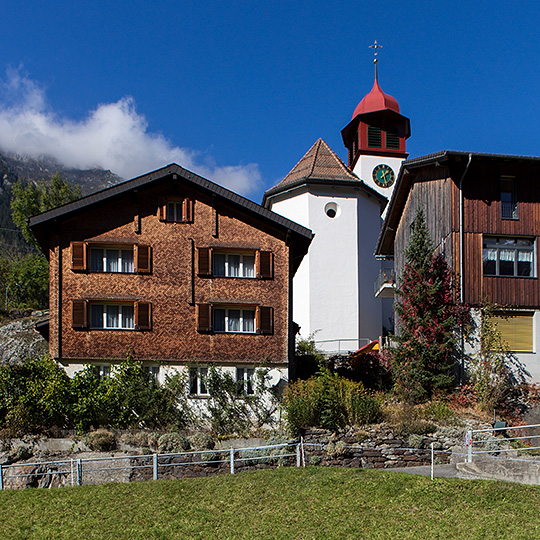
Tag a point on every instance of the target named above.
point(424, 360)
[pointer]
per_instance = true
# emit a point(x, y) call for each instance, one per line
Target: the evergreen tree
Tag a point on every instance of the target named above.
point(425, 358)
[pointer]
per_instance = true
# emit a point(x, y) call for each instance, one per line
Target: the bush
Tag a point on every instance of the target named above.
point(328, 401)
point(201, 441)
point(101, 440)
point(34, 396)
point(173, 443)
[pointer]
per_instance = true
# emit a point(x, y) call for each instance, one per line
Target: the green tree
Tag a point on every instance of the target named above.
point(27, 282)
point(425, 358)
point(29, 199)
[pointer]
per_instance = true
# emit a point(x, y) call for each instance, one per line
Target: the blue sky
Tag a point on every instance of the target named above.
point(238, 91)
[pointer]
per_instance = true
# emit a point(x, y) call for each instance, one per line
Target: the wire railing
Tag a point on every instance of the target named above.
point(470, 441)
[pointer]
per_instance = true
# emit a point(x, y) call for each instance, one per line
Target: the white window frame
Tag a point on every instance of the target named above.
point(108, 259)
point(242, 267)
point(493, 245)
point(242, 319)
point(103, 371)
point(245, 381)
point(197, 380)
point(122, 316)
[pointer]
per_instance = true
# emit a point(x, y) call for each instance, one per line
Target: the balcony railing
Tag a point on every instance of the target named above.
point(385, 284)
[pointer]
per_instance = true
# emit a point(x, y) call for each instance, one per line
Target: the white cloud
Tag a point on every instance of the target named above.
point(113, 136)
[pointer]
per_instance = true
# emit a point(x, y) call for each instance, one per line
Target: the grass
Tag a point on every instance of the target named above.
point(284, 503)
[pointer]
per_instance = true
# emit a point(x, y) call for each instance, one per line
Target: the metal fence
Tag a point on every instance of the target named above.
point(482, 443)
point(85, 470)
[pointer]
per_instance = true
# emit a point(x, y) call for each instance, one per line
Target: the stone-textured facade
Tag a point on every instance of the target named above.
point(166, 277)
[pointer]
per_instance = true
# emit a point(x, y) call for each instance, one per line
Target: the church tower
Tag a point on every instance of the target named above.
point(376, 138)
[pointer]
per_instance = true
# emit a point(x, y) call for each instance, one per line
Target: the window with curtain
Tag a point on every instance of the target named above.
point(514, 257)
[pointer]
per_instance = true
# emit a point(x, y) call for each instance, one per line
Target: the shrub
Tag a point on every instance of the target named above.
point(328, 401)
point(173, 443)
point(415, 426)
point(438, 411)
point(101, 440)
point(34, 396)
point(201, 441)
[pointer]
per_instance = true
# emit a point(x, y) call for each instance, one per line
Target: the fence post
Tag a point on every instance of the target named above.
point(1, 478)
point(298, 454)
point(432, 460)
point(303, 451)
point(232, 460)
point(79, 472)
point(155, 466)
point(468, 444)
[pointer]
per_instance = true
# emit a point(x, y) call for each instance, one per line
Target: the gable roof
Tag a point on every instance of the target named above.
point(405, 180)
point(320, 165)
point(40, 223)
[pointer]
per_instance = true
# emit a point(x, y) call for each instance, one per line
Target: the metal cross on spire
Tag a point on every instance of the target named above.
point(375, 46)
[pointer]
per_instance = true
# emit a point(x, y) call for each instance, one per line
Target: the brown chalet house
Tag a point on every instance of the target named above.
point(483, 213)
point(175, 269)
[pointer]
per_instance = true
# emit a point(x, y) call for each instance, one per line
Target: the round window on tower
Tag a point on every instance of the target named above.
point(332, 210)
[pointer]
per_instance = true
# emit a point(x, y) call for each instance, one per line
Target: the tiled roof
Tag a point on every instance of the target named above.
point(320, 162)
point(41, 222)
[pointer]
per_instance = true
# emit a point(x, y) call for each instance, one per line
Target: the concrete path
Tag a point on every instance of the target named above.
point(439, 471)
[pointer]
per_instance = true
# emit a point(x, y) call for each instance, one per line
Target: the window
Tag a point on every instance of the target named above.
point(103, 371)
point(233, 320)
point(508, 257)
point(245, 381)
point(112, 316)
point(110, 258)
point(233, 265)
point(176, 210)
point(509, 208)
point(152, 371)
point(374, 137)
point(392, 139)
point(516, 330)
point(214, 262)
point(197, 381)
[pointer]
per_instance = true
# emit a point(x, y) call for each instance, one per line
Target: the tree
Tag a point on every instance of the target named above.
point(27, 282)
point(425, 358)
point(30, 199)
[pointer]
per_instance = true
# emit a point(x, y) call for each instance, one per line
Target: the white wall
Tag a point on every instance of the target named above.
point(333, 294)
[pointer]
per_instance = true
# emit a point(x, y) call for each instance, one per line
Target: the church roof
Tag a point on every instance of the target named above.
point(376, 100)
point(320, 164)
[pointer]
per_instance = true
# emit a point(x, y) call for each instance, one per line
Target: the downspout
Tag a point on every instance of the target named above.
point(461, 266)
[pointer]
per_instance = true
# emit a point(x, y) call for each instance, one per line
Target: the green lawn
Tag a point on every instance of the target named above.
point(286, 503)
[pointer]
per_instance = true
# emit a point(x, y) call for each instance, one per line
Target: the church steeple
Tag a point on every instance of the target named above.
point(377, 132)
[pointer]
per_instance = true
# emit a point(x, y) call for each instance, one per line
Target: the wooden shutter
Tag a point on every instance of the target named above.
point(204, 317)
point(265, 320)
point(79, 314)
point(516, 330)
point(187, 210)
point(265, 266)
point(162, 210)
point(204, 262)
point(78, 256)
point(142, 258)
point(143, 315)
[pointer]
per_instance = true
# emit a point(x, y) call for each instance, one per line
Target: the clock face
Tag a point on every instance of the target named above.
point(383, 176)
